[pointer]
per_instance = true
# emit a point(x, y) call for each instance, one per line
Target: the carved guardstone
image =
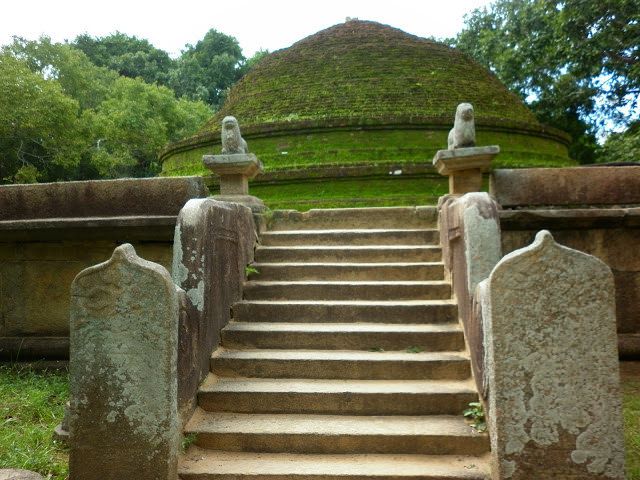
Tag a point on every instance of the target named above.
point(123, 376)
point(552, 365)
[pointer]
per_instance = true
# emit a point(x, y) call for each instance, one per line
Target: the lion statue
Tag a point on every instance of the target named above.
point(463, 133)
point(232, 141)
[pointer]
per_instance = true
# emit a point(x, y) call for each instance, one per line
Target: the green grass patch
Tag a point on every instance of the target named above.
point(335, 193)
point(31, 405)
point(631, 409)
point(32, 402)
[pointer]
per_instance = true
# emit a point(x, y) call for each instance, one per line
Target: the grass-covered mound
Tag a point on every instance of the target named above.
point(361, 92)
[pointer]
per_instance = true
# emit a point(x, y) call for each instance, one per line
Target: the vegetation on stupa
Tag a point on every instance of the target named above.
point(361, 74)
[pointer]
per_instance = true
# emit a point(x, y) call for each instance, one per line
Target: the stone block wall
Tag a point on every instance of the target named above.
point(51, 232)
point(595, 210)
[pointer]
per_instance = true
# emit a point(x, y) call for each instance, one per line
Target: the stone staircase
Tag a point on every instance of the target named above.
point(344, 360)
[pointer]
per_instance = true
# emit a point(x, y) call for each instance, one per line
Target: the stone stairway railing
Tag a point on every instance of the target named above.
point(541, 328)
point(140, 345)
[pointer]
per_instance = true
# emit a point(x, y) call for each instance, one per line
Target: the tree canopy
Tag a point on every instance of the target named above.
point(207, 69)
point(577, 62)
point(65, 118)
point(129, 56)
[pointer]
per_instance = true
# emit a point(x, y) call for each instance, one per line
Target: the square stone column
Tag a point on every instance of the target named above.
point(235, 171)
point(464, 167)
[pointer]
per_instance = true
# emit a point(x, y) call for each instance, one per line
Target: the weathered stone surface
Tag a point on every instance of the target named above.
point(567, 186)
point(99, 198)
point(464, 167)
point(245, 164)
point(61, 432)
point(617, 247)
point(235, 172)
point(231, 139)
point(448, 162)
point(470, 238)
point(35, 278)
point(123, 377)
point(213, 244)
point(552, 367)
point(16, 474)
point(463, 133)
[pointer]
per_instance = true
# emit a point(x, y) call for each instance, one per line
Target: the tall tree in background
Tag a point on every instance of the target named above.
point(40, 132)
point(64, 118)
point(575, 61)
point(129, 56)
point(207, 69)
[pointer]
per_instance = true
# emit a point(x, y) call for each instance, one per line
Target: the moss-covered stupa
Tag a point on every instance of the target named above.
point(362, 99)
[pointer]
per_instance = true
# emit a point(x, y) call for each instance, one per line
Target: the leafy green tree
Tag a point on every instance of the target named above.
point(41, 137)
point(65, 118)
point(622, 147)
point(128, 55)
point(72, 69)
point(135, 122)
point(575, 61)
point(207, 69)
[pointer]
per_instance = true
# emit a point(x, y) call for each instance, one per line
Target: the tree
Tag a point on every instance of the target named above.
point(135, 122)
point(623, 147)
point(65, 118)
point(77, 75)
point(206, 70)
point(129, 56)
point(575, 61)
point(40, 133)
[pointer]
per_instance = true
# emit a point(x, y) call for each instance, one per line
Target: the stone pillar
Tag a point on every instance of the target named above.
point(464, 167)
point(552, 365)
point(124, 342)
point(235, 171)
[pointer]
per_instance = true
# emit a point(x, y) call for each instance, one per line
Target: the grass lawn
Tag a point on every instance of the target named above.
point(31, 405)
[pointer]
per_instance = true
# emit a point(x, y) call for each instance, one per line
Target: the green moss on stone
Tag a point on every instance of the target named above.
point(365, 93)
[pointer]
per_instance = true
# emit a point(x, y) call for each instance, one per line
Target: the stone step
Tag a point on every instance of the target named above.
point(340, 364)
point(352, 218)
point(343, 336)
point(355, 290)
point(361, 254)
point(305, 311)
point(351, 237)
point(201, 464)
point(337, 397)
point(293, 433)
point(349, 271)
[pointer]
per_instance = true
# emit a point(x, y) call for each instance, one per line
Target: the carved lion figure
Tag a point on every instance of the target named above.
point(232, 141)
point(463, 133)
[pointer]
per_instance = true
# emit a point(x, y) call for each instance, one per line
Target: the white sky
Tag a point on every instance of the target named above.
point(271, 24)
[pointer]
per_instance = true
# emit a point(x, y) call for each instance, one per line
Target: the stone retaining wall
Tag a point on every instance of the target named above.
point(592, 209)
point(50, 232)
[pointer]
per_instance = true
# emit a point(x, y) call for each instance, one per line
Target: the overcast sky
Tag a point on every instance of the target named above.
point(257, 24)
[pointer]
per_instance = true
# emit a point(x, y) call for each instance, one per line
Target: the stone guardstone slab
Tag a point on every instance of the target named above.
point(464, 166)
point(15, 474)
point(123, 381)
point(552, 365)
